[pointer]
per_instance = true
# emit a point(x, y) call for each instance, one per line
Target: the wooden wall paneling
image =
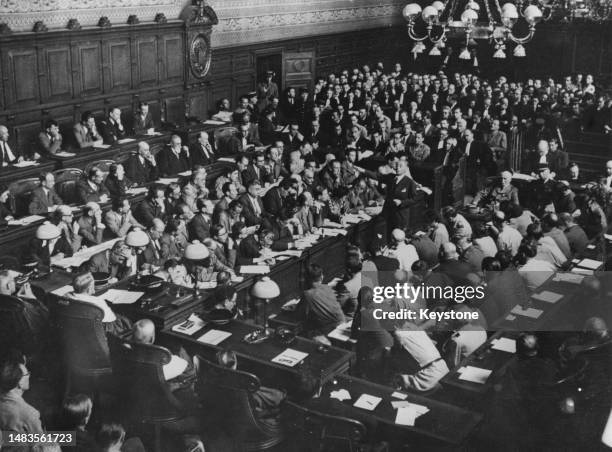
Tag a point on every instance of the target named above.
point(172, 50)
point(298, 69)
point(2, 83)
point(242, 85)
point(221, 65)
point(199, 103)
point(218, 90)
point(117, 72)
point(56, 67)
point(21, 76)
point(174, 108)
point(26, 135)
point(242, 62)
point(145, 61)
point(585, 55)
point(88, 76)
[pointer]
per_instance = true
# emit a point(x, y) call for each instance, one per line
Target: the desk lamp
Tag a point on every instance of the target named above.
point(195, 253)
point(47, 232)
point(137, 239)
point(265, 289)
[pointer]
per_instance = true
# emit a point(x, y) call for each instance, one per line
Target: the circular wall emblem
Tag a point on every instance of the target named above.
point(200, 55)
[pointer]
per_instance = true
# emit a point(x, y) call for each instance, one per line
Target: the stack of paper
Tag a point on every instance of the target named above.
point(290, 305)
point(529, 312)
point(189, 326)
point(568, 277)
point(289, 357)
point(25, 164)
point(63, 290)
point(504, 344)
point(582, 271)
point(26, 220)
point(117, 296)
point(367, 402)
point(590, 264)
point(342, 332)
point(547, 296)
point(254, 269)
point(214, 337)
point(474, 374)
point(341, 394)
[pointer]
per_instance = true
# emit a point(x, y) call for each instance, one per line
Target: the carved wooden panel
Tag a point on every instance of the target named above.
point(173, 60)
point(89, 60)
point(298, 69)
point(117, 64)
point(22, 86)
point(175, 109)
point(146, 62)
point(243, 62)
point(26, 135)
point(198, 104)
point(219, 90)
point(242, 85)
point(221, 65)
point(57, 66)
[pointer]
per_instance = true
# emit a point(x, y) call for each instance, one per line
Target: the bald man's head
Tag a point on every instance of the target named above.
point(143, 332)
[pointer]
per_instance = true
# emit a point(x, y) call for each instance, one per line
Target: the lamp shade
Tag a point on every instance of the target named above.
point(411, 11)
point(473, 5)
point(265, 289)
point(509, 7)
point(469, 16)
point(47, 231)
point(137, 238)
point(196, 251)
point(532, 14)
point(430, 14)
point(438, 5)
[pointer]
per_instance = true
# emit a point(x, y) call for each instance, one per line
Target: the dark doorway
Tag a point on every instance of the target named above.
point(271, 62)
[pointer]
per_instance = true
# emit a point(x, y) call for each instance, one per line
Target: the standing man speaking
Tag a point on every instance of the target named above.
point(400, 196)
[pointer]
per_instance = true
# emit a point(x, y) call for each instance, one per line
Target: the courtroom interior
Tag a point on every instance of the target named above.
point(330, 225)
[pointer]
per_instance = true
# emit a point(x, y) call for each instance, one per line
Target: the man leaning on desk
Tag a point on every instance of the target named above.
point(44, 198)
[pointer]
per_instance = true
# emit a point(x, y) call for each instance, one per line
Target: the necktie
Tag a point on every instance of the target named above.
point(49, 198)
point(467, 149)
point(3, 155)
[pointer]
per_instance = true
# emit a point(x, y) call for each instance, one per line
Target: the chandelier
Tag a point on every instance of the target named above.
point(464, 18)
point(571, 10)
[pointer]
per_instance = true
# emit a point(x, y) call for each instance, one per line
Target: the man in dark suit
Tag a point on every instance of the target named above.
point(152, 207)
point(294, 139)
point(400, 196)
point(44, 198)
point(253, 208)
point(7, 155)
point(257, 171)
point(143, 121)
point(288, 105)
point(92, 189)
point(267, 130)
point(50, 139)
point(152, 253)
point(479, 164)
point(303, 108)
point(174, 158)
point(199, 226)
point(275, 199)
point(201, 151)
point(239, 143)
point(113, 129)
point(142, 168)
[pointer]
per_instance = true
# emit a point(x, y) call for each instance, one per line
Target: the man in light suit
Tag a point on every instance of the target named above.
point(86, 133)
point(44, 198)
point(7, 155)
point(401, 195)
point(119, 219)
point(143, 121)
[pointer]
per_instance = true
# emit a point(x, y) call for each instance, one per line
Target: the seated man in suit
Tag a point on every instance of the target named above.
point(242, 142)
point(154, 206)
point(84, 290)
point(90, 224)
point(174, 158)
point(142, 168)
point(246, 244)
point(253, 212)
point(500, 192)
point(86, 133)
point(44, 198)
point(319, 307)
point(119, 262)
point(201, 151)
point(152, 255)
point(16, 415)
point(27, 328)
point(199, 226)
point(257, 171)
point(113, 129)
point(281, 199)
point(92, 189)
point(119, 219)
point(7, 155)
point(179, 372)
point(143, 120)
point(305, 216)
point(221, 245)
point(50, 139)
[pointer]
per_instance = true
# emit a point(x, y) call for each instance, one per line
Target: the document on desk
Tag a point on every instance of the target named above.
point(63, 290)
point(591, 264)
point(118, 296)
point(214, 337)
point(474, 374)
point(290, 305)
point(547, 296)
point(328, 232)
point(64, 154)
point(529, 312)
point(25, 164)
point(351, 218)
point(167, 180)
point(190, 326)
point(26, 220)
point(185, 173)
point(342, 332)
point(504, 344)
point(367, 402)
point(254, 269)
point(583, 271)
point(340, 394)
point(136, 190)
point(405, 416)
point(419, 409)
point(290, 357)
point(212, 122)
point(102, 146)
point(226, 159)
point(608, 237)
point(125, 140)
point(569, 278)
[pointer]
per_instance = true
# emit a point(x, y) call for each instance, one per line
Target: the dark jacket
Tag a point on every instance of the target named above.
point(140, 173)
point(169, 164)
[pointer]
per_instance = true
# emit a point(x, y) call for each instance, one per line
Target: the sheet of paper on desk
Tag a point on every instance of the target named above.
point(125, 140)
point(406, 416)
point(341, 394)
point(342, 332)
point(214, 337)
point(419, 409)
point(289, 357)
point(212, 122)
point(547, 296)
point(582, 271)
point(568, 277)
point(117, 296)
point(328, 232)
point(254, 269)
point(504, 344)
point(102, 146)
point(185, 173)
point(399, 395)
point(63, 290)
point(26, 220)
point(190, 326)
point(474, 374)
point(167, 180)
point(590, 264)
point(331, 224)
point(136, 190)
point(64, 154)
point(226, 159)
point(351, 218)
point(608, 237)
point(290, 305)
point(373, 210)
point(207, 284)
point(25, 164)
point(529, 312)
point(367, 402)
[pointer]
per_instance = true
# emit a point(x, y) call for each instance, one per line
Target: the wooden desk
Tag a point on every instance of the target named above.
point(10, 174)
point(443, 422)
point(324, 365)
